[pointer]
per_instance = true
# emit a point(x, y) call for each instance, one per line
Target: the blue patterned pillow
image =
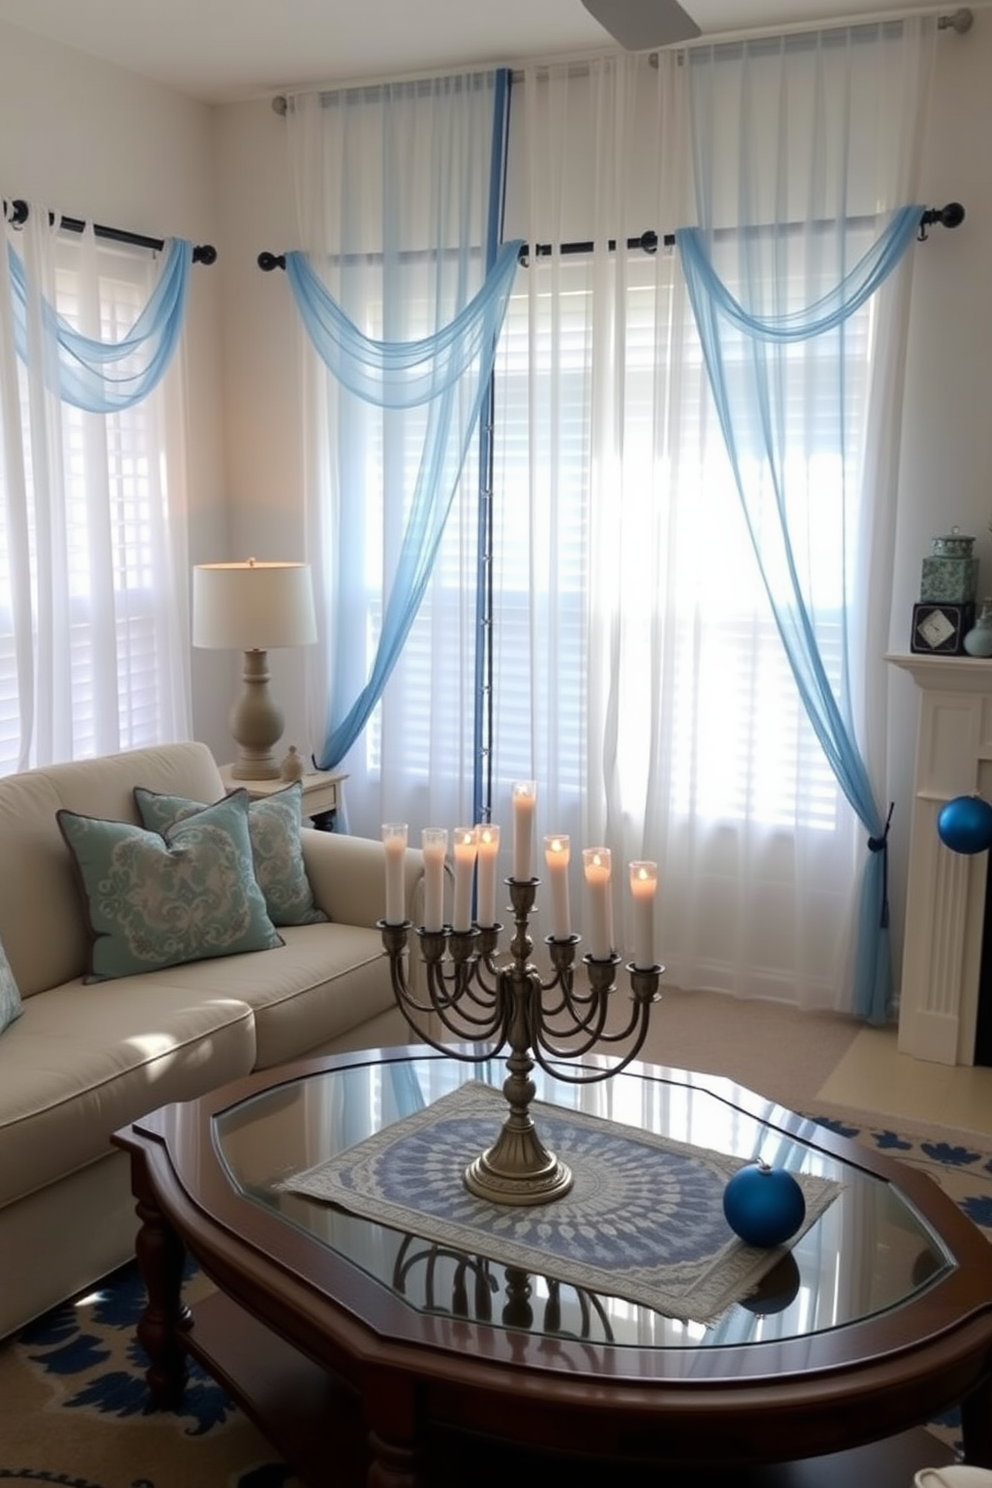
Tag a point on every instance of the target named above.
point(10, 996)
point(274, 825)
point(160, 899)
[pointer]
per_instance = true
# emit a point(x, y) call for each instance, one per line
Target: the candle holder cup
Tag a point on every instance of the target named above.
point(551, 1022)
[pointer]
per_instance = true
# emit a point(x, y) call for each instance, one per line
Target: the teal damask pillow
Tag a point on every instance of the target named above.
point(160, 899)
point(10, 995)
point(274, 825)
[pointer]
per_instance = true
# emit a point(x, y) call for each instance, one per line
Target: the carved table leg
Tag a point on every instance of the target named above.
point(393, 1438)
point(976, 1426)
point(394, 1466)
point(161, 1260)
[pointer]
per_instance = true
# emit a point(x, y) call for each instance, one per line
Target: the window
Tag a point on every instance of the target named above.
point(739, 744)
point(90, 631)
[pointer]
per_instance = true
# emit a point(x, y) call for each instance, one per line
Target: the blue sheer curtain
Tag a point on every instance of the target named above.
point(106, 376)
point(802, 149)
point(448, 373)
point(402, 288)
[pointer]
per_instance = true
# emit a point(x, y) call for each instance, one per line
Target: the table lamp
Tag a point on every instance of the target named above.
point(254, 607)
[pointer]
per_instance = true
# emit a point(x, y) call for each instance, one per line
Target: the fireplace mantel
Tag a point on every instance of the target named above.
point(945, 900)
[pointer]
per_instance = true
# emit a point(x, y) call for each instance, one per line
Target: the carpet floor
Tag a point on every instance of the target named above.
point(776, 1050)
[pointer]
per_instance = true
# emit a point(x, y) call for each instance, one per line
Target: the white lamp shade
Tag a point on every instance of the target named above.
point(253, 606)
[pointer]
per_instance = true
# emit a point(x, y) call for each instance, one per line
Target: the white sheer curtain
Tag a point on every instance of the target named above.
point(394, 204)
point(813, 421)
point(93, 646)
point(640, 678)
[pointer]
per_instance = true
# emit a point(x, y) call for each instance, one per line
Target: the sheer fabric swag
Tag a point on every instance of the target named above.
point(402, 286)
point(102, 376)
point(770, 319)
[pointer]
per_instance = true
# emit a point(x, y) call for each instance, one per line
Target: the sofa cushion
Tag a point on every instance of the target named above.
point(10, 996)
point(42, 926)
point(274, 825)
point(325, 980)
point(158, 900)
point(82, 1062)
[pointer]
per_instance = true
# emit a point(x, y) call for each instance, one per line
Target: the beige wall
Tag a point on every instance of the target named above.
point(101, 143)
point(262, 362)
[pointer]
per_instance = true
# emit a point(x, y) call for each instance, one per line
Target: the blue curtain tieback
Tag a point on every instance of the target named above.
point(881, 844)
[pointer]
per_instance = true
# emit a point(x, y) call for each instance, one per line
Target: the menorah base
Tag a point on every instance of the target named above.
point(518, 1169)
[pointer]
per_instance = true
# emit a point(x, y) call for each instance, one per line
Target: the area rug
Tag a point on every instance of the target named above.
point(955, 1164)
point(73, 1406)
point(72, 1397)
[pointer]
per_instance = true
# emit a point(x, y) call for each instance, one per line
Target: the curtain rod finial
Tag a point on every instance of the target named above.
point(961, 21)
point(950, 216)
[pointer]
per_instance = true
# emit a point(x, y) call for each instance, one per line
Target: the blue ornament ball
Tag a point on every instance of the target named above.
point(763, 1205)
point(965, 824)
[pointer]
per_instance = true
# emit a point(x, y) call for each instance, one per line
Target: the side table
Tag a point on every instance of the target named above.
point(322, 792)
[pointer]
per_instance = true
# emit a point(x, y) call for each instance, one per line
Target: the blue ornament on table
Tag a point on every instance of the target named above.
point(763, 1205)
point(965, 824)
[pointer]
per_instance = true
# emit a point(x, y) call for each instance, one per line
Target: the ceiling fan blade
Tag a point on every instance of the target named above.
point(641, 24)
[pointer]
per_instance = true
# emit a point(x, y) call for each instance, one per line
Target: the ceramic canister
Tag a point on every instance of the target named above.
point(950, 573)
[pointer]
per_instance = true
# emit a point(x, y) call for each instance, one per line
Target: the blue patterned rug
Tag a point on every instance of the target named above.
point(72, 1399)
point(962, 1169)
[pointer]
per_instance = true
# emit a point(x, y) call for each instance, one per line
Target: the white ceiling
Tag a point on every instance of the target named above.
point(222, 50)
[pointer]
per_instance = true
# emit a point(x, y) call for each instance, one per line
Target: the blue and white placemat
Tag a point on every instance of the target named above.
point(643, 1220)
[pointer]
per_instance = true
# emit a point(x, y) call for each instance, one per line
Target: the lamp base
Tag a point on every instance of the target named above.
point(257, 722)
point(248, 767)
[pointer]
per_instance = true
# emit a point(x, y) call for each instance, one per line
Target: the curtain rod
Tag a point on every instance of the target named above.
point(205, 253)
point(960, 21)
point(950, 216)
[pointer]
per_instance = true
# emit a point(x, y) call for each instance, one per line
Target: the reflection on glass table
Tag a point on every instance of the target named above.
point(869, 1252)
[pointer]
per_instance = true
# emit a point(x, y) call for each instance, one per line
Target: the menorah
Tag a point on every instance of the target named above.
point(492, 1003)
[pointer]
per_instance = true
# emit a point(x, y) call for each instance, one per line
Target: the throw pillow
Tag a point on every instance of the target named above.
point(274, 825)
point(160, 899)
point(10, 996)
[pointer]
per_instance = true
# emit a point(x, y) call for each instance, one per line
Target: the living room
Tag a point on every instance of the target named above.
point(97, 141)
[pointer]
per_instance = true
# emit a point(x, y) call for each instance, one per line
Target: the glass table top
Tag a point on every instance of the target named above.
point(870, 1251)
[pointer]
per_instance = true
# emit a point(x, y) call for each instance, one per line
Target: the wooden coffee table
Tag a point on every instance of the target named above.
point(367, 1356)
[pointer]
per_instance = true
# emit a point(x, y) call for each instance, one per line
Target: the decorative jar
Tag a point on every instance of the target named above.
point(950, 573)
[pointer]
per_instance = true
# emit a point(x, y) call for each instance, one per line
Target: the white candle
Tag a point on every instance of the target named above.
point(487, 853)
point(556, 855)
point(599, 903)
point(643, 885)
point(394, 842)
point(465, 850)
point(435, 845)
point(523, 795)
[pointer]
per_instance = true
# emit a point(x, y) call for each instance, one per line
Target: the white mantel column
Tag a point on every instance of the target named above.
point(945, 901)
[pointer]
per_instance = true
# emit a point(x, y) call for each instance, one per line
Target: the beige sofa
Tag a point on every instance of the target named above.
point(83, 1059)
